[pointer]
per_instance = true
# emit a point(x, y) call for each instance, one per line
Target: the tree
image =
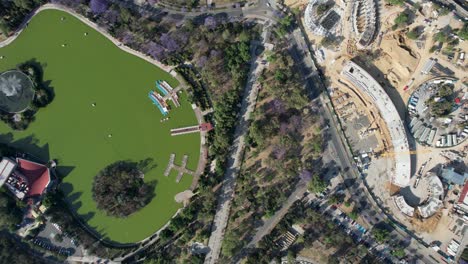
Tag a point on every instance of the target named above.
point(13, 251)
point(10, 213)
point(317, 185)
point(230, 244)
point(441, 37)
point(322, 8)
point(463, 32)
point(398, 252)
point(98, 6)
point(441, 9)
point(210, 23)
point(24, 4)
point(334, 199)
point(381, 235)
point(413, 34)
point(119, 189)
point(291, 256)
point(402, 19)
point(433, 48)
point(354, 215)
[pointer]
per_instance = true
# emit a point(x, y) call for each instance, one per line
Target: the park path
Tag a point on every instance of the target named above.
point(83, 19)
point(154, 237)
point(235, 157)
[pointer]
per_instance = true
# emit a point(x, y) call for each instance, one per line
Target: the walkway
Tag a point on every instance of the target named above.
point(234, 161)
point(83, 19)
point(154, 237)
point(271, 222)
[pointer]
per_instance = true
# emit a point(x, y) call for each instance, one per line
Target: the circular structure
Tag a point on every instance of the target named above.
point(437, 111)
point(16, 91)
point(322, 17)
point(92, 70)
point(425, 196)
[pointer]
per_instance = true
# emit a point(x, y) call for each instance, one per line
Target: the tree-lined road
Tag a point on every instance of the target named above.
point(235, 159)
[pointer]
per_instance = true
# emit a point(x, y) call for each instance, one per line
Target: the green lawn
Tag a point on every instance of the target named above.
point(91, 69)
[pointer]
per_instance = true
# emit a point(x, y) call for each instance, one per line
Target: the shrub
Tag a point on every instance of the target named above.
point(402, 19)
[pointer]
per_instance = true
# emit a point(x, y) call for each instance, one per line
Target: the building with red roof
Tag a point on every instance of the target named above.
point(27, 179)
point(205, 127)
point(464, 195)
point(37, 175)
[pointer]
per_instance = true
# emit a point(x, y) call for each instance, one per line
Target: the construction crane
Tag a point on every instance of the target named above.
point(411, 152)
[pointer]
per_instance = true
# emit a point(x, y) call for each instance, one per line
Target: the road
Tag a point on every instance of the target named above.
point(234, 160)
point(259, 11)
point(344, 157)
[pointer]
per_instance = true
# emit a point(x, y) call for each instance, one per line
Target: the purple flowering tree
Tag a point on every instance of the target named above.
point(284, 128)
point(210, 23)
point(277, 106)
point(202, 61)
point(111, 16)
point(155, 50)
point(214, 53)
point(98, 6)
point(296, 122)
point(278, 152)
point(69, 3)
point(305, 175)
point(168, 42)
point(182, 37)
point(126, 37)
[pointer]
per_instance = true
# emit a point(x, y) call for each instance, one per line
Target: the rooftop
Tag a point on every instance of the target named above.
point(452, 177)
point(403, 206)
point(38, 176)
point(364, 81)
point(464, 195)
point(24, 178)
point(430, 207)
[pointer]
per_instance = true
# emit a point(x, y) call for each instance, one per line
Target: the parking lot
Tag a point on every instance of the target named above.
point(53, 239)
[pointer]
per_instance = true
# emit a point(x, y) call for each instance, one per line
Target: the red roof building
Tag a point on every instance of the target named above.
point(206, 127)
point(463, 196)
point(37, 175)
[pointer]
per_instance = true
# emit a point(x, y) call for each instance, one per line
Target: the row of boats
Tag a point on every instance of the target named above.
point(159, 100)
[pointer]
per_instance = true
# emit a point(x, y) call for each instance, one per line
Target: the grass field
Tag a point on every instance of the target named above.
point(91, 69)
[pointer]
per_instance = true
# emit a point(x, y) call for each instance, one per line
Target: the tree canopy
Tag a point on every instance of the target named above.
point(119, 189)
point(12, 251)
point(10, 214)
point(380, 234)
point(402, 19)
point(317, 185)
point(463, 32)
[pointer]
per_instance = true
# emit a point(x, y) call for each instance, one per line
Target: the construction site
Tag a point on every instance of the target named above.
point(383, 82)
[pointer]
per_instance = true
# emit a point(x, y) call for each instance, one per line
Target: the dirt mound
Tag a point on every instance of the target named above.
point(397, 60)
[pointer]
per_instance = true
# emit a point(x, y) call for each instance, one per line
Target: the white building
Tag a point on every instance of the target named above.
point(400, 176)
